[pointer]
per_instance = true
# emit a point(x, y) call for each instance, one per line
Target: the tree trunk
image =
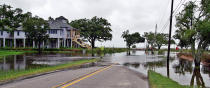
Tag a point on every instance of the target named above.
point(93, 46)
point(159, 47)
point(129, 50)
point(197, 58)
point(93, 43)
point(198, 77)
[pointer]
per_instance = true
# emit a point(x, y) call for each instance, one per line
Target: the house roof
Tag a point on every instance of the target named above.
point(58, 23)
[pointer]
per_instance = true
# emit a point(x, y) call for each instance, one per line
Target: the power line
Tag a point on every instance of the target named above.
point(179, 7)
point(174, 12)
point(180, 3)
point(163, 16)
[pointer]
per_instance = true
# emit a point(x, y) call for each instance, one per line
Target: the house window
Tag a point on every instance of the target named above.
point(61, 32)
point(2, 32)
point(53, 31)
point(18, 33)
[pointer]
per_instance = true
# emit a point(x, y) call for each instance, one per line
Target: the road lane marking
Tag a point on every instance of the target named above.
point(71, 82)
point(76, 81)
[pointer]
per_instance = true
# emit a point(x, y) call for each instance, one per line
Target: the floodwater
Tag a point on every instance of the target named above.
point(27, 61)
point(181, 71)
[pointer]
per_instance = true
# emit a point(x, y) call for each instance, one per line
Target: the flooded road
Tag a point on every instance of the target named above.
point(27, 61)
point(101, 75)
point(181, 71)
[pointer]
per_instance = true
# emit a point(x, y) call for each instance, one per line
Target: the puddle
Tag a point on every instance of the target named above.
point(27, 61)
point(181, 71)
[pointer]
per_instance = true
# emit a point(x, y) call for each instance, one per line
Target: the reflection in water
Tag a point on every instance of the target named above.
point(196, 77)
point(28, 61)
point(154, 65)
point(183, 66)
point(13, 62)
point(133, 52)
point(206, 69)
point(135, 65)
point(181, 71)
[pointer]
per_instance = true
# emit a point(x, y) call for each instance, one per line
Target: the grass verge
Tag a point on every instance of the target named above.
point(13, 52)
point(10, 75)
point(7, 53)
point(156, 80)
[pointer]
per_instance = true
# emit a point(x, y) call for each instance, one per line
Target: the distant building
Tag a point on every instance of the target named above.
point(61, 34)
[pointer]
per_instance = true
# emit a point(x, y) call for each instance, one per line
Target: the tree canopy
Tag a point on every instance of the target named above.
point(162, 39)
point(36, 29)
point(132, 39)
point(157, 39)
point(193, 23)
point(150, 37)
point(93, 29)
point(10, 19)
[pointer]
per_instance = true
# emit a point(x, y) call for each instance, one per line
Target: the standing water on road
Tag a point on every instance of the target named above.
point(181, 71)
point(28, 61)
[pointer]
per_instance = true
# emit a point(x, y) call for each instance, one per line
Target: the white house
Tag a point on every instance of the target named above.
point(61, 34)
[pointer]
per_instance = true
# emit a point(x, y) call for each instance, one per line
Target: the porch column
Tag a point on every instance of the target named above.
point(48, 43)
point(58, 45)
point(71, 43)
point(67, 42)
point(33, 44)
point(14, 43)
point(43, 46)
point(4, 40)
point(24, 43)
point(64, 45)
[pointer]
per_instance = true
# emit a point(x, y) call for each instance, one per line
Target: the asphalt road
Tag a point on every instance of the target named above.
point(93, 77)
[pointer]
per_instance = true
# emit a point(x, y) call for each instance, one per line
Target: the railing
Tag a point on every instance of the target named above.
point(81, 43)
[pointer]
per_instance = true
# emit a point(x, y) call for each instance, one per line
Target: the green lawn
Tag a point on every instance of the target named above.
point(7, 52)
point(9, 75)
point(156, 80)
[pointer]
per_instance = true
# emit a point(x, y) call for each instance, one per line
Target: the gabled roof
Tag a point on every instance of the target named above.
point(58, 23)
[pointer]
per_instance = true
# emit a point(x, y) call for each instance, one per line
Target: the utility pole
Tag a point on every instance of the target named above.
point(169, 41)
point(155, 29)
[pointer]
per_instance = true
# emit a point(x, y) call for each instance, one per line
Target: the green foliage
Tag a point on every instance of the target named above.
point(11, 19)
point(150, 37)
point(156, 80)
point(157, 40)
point(107, 50)
point(93, 29)
point(203, 29)
point(161, 39)
point(36, 29)
point(134, 46)
point(6, 53)
point(132, 39)
point(185, 20)
point(193, 27)
point(183, 42)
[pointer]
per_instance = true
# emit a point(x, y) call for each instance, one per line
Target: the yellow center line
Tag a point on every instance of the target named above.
point(76, 81)
point(81, 78)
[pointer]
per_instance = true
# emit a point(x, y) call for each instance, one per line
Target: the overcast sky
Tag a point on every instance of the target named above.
point(135, 15)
